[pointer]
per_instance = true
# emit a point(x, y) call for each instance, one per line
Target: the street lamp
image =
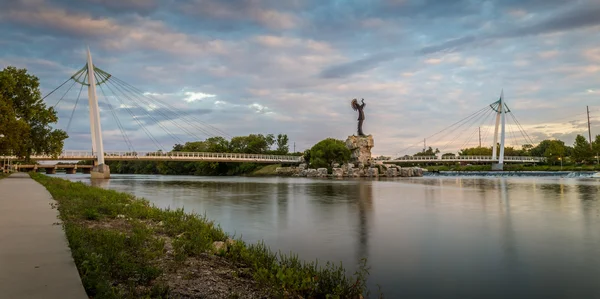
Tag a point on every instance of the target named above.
point(560, 159)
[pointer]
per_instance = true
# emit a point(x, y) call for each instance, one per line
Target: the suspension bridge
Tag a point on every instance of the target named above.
point(147, 110)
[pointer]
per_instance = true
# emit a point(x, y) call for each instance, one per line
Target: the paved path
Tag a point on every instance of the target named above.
point(35, 260)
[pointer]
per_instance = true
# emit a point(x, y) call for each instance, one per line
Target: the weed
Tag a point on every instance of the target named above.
point(117, 243)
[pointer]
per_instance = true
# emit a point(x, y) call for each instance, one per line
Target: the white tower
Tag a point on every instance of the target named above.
point(101, 170)
point(500, 116)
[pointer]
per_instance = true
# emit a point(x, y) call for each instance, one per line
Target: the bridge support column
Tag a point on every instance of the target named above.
point(102, 171)
point(500, 117)
point(51, 170)
point(70, 170)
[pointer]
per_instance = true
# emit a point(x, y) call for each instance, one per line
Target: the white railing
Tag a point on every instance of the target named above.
point(523, 159)
point(168, 156)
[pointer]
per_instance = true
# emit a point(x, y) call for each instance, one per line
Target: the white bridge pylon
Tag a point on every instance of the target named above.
point(501, 110)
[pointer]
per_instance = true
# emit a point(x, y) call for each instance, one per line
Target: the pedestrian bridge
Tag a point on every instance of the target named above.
point(470, 159)
point(169, 156)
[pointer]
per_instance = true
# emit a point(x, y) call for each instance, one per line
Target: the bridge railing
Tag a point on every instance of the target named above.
point(83, 155)
point(467, 158)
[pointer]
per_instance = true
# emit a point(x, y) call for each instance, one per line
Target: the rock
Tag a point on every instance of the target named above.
point(404, 172)
point(230, 242)
point(336, 165)
point(373, 172)
point(359, 173)
point(120, 216)
point(311, 173)
point(303, 173)
point(337, 172)
point(360, 147)
point(322, 172)
point(285, 170)
point(302, 166)
point(392, 172)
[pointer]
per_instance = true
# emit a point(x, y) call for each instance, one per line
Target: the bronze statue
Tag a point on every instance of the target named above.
point(361, 114)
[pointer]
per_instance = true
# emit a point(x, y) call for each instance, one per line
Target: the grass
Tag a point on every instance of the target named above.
point(119, 244)
point(3, 175)
point(266, 170)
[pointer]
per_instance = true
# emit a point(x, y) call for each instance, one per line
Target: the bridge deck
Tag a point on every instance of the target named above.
point(473, 159)
point(170, 156)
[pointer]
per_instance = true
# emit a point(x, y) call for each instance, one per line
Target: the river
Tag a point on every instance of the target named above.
point(430, 237)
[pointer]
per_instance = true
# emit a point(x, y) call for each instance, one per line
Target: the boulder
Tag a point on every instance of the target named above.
point(337, 172)
point(392, 172)
point(311, 173)
point(373, 172)
point(360, 147)
point(322, 172)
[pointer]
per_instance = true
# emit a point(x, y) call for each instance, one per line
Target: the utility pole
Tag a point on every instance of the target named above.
point(294, 146)
point(479, 136)
point(589, 126)
point(424, 145)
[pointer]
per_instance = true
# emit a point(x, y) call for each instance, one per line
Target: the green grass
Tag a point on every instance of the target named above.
point(118, 244)
point(266, 170)
point(3, 175)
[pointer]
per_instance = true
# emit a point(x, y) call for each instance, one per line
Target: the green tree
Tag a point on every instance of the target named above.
point(282, 144)
point(327, 152)
point(26, 120)
point(476, 151)
point(429, 152)
point(555, 149)
point(581, 150)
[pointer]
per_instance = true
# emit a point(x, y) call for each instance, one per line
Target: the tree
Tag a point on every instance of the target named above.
point(476, 151)
point(282, 144)
point(428, 152)
point(555, 149)
point(26, 120)
point(581, 149)
point(327, 152)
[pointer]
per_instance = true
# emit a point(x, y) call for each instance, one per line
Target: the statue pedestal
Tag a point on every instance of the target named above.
point(360, 146)
point(101, 171)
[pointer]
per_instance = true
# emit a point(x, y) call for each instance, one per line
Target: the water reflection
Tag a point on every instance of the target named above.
point(431, 237)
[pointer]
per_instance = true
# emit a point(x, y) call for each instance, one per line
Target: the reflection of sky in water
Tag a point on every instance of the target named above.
point(432, 237)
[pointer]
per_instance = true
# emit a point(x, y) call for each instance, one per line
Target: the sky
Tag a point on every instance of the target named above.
point(292, 67)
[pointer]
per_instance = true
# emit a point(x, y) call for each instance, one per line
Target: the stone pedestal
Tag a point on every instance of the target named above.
point(101, 171)
point(360, 146)
point(497, 167)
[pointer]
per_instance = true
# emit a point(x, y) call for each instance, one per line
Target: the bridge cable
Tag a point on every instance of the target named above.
point(441, 131)
point(75, 107)
point(171, 109)
point(476, 119)
point(219, 131)
point(177, 139)
point(63, 96)
point(483, 119)
point(56, 88)
point(117, 120)
point(149, 104)
point(521, 128)
point(455, 129)
point(144, 129)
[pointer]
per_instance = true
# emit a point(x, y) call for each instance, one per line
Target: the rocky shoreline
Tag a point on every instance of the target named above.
point(350, 170)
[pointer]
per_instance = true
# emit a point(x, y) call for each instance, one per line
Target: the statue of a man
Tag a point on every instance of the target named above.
point(361, 114)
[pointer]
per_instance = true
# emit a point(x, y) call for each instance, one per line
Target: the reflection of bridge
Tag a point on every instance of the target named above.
point(50, 169)
point(169, 156)
point(472, 159)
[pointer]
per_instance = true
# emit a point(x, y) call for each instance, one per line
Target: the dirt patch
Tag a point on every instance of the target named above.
point(210, 276)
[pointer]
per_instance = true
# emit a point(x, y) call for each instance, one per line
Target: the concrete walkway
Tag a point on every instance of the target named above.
point(35, 259)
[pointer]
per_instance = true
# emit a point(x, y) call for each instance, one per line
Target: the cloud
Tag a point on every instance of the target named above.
point(292, 66)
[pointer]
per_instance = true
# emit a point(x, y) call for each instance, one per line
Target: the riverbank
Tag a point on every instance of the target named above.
point(511, 167)
point(125, 248)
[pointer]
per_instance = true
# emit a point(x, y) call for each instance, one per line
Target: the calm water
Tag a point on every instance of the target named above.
point(431, 237)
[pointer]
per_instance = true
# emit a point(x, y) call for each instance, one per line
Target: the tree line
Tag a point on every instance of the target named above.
point(251, 144)
point(581, 152)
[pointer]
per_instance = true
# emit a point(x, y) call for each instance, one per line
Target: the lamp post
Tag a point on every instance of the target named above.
point(3, 160)
point(560, 159)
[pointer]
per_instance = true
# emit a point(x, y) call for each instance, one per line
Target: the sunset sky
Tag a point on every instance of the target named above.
point(292, 67)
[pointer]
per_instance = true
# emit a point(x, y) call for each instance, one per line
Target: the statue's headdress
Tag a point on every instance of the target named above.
point(354, 104)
